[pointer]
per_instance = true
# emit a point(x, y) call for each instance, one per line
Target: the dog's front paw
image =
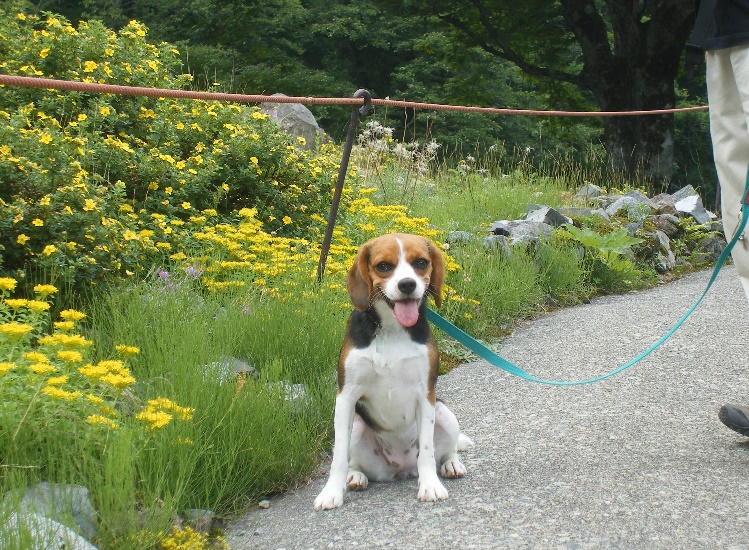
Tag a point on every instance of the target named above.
point(328, 499)
point(432, 492)
point(453, 468)
point(356, 481)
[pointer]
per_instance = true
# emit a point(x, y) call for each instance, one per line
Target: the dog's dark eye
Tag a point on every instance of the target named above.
point(421, 263)
point(384, 267)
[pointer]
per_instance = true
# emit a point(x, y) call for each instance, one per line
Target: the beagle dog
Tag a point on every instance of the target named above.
point(388, 422)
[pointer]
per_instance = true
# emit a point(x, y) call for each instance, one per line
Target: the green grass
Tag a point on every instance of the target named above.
point(247, 439)
point(473, 202)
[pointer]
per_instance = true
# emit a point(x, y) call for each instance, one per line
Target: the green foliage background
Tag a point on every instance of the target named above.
point(332, 48)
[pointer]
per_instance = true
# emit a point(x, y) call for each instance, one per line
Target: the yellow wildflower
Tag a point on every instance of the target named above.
point(93, 371)
point(157, 419)
point(6, 283)
point(36, 357)
point(57, 380)
point(94, 398)
point(42, 368)
point(127, 351)
point(45, 290)
point(22, 239)
point(57, 393)
point(14, 329)
point(5, 367)
point(37, 305)
point(15, 304)
point(72, 315)
point(97, 419)
point(70, 356)
point(64, 326)
point(119, 381)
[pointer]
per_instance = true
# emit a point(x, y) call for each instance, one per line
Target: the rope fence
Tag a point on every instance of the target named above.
point(54, 84)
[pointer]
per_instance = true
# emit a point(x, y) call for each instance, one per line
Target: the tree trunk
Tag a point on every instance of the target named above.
point(631, 69)
point(640, 145)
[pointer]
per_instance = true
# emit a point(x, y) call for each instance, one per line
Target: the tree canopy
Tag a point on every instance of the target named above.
point(611, 55)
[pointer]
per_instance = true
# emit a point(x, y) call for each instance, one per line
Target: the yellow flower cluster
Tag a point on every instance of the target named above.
point(52, 363)
point(160, 412)
point(186, 538)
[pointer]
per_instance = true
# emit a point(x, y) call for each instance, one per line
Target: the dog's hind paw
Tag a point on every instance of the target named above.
point(464, 442)
point(356, 481)
point(452, 468)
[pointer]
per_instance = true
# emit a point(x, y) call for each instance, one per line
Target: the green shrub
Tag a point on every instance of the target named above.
point(96, 186)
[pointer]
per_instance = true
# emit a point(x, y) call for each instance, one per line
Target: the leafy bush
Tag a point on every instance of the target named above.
point(96, 186)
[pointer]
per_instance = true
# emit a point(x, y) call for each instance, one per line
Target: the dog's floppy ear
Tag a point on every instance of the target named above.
point(358, 282)
point(437, 278)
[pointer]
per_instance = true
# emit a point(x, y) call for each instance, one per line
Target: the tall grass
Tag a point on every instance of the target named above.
point(253, 433)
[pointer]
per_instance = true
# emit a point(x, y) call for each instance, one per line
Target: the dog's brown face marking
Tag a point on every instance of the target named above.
point(376, 262)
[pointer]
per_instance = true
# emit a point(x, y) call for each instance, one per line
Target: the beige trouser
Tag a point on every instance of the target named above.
point(728, 97)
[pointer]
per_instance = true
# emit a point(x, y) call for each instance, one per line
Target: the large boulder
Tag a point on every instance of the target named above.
point(295, 119)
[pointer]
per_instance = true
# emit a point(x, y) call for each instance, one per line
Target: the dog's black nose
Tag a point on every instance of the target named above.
point(407, 286)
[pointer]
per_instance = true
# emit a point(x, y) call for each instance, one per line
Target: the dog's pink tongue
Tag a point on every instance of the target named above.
point(406, 312)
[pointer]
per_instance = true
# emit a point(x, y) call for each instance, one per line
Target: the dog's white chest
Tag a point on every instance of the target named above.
point(392, 360)
point(390, 375)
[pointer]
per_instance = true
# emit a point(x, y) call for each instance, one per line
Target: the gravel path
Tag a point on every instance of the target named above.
point(639, 460)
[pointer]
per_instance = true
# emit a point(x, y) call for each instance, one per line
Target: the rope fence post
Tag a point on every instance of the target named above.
point(356, 114)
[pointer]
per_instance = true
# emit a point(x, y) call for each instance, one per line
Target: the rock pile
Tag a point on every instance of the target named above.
point(676, 229)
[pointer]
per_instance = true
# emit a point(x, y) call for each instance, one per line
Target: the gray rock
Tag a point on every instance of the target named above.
point(497, 243)
point(641, 197)
point(628, 205)
point(684, 192)
point(294, 394)
point(56, 501)
point(576, 211)
point(665, 203)
point(44, 532)
point(633, 228)
point(521, 231)
point(709, 249)
point(667, 223)
point(549, 216)
point(295, 119)
point(200, 520)
point(664, 257)
point(501, 227)
point(601, 213)
point(533, 207)
point(588, 192)
point(460, 238)
point(227, 369)
point(692, 205)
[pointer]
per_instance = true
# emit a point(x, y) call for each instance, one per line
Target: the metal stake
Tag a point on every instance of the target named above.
point(355, 116)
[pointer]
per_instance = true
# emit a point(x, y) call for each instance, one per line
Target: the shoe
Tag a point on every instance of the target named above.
point(735, 417)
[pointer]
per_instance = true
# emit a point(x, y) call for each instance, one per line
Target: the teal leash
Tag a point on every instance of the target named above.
point(485, 353)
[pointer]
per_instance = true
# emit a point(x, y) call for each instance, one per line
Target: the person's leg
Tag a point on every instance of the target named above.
point(728, 97)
